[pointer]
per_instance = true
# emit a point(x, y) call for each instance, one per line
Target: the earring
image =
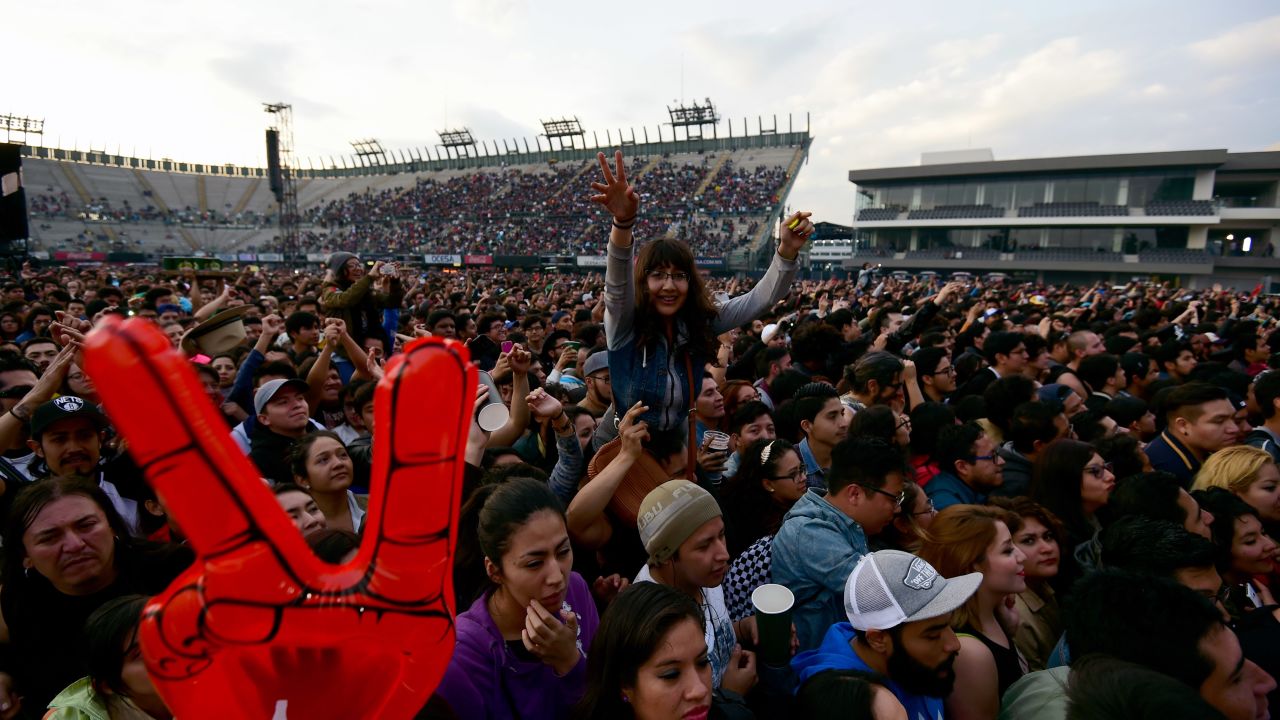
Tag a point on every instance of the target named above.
point(26, 573)
point(769, 489)
point(626, 699)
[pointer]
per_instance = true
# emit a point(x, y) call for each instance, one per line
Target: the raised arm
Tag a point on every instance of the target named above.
point(776, 282)
point(620, 199)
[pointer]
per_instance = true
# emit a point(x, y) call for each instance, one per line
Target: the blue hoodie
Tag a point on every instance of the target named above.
point(836, 653)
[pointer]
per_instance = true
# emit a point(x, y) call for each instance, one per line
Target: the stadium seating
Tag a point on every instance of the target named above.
point(715, 202)
point(1174, 255)
point(1072, 209)
point(957, 212)
point(879, 214)
point(1181, 207)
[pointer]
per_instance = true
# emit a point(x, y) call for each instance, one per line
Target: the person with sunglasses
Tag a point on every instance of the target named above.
point(970, 467)
point(822, 537)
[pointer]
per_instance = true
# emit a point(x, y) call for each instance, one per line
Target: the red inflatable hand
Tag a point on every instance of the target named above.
point(259, 627)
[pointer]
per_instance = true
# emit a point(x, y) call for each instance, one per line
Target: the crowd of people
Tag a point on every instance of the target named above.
point(985, 500)
point(505, 211)
point(56, 204)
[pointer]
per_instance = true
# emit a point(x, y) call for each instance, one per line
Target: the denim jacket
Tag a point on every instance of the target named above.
point(652, 374)
point(814, 553)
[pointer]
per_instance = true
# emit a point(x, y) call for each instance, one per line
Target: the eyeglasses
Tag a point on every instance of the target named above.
point(897, 499)
point(797, 475)
point(976, 458)
point(661, 276)
point(1220, 596)
point(945, 371)
point(1098, 470)
point(930, 510)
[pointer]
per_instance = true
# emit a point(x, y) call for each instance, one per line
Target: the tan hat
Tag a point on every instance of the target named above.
point(218, 334)
point(670, 513)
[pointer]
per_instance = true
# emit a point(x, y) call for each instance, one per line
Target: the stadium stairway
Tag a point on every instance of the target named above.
point(573, 181)
point(77, 184)
point(202, 196)
point(150, 191)
point(248, 195)
point(711, 174)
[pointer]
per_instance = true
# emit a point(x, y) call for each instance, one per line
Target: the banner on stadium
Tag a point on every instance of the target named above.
point(712, 263)
point(270, 257)
point(227, 257)
point(592, 260)
point(559, 260)
point(127, 257)
point(70, 255)
point(442, 259)
point(39, 254)
point(477, 259)
point(515, 260)
point(316, 257)
point(247, 257)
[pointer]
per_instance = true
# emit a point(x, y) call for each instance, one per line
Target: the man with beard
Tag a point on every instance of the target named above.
point(899, 627)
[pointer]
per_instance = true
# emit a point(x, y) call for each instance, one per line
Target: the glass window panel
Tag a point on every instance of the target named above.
point(999, 194)
point(1029, 192)
point(1103, 190)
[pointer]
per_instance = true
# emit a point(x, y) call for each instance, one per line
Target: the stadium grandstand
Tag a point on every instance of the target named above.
point(508, 207)
point(1199, 216)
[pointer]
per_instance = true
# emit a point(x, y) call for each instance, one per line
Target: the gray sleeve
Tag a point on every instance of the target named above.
point(619, 296)
point(771, 288)
point(564, 476)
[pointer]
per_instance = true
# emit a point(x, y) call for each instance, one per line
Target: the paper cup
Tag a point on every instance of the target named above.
point(494, 414)
point(773, 605)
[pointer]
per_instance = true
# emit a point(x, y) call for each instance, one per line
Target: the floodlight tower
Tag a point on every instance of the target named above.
point(288, 195)
point(369, 151)
point(692, 117)
point(457, 142)
point(23, 127)
point(564, 132)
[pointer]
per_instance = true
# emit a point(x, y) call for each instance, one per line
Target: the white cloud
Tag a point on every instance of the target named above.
point(1243, 44)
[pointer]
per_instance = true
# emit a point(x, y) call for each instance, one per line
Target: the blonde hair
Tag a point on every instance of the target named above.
point(958, 539)
point(1234, 468)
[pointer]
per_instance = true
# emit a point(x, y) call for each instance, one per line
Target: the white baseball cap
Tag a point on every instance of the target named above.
point(891, 587)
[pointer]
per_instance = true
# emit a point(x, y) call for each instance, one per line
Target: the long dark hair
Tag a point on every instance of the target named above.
point(698, 311)
point(486, 523)
point(106, 632)
point(750, 512)
point(629, 634)
point(28, 504)
point(1056, 480)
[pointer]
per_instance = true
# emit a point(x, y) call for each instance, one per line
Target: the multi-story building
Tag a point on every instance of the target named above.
point(1198, 216)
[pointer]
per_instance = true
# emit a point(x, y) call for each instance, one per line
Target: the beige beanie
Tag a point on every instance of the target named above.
point(670, 513)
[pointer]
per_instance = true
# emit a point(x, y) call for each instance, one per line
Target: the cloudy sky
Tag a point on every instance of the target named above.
point(882, 82)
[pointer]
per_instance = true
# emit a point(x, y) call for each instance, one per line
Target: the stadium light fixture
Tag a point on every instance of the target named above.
point(693, 117)
point(1247, 245)
point(22, 126)
point(1231, 237)
point(563, 131)
point(369, 151)
point(457, 142)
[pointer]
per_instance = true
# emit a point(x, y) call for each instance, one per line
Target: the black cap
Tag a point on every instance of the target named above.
point(64, 408)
